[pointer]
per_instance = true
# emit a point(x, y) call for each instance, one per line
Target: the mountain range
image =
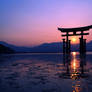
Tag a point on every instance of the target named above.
point(54, 47)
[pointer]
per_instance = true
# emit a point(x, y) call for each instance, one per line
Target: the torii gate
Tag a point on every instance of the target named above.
point(66, 42)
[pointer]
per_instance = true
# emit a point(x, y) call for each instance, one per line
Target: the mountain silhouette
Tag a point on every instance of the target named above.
point(4, 49)
point(55, 47)
point(15, 48)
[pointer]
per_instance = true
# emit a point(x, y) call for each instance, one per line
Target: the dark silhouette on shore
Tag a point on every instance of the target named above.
point(4, 49)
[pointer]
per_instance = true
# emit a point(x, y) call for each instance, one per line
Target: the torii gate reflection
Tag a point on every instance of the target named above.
point(67, 42)
point(75, 69)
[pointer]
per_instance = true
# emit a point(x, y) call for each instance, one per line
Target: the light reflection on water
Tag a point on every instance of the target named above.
point(76, 73)
point(76, 70)
point(46, 73)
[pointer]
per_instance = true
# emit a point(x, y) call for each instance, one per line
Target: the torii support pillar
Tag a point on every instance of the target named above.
point(69, 46)
point(84, 41)
point(64, 46)
point(67, 43)
point(82, 46)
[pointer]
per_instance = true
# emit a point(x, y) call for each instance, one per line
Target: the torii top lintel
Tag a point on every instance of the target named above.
point(86, 28)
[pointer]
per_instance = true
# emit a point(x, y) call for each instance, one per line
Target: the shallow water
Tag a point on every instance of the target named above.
point(46, 73)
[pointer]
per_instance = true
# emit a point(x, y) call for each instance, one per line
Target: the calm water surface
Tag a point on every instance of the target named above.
point(46, 73)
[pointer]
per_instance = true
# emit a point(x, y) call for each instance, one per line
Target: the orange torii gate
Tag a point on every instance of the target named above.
point(74, 31)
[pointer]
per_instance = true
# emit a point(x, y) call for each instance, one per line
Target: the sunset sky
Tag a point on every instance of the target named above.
point(33, 22)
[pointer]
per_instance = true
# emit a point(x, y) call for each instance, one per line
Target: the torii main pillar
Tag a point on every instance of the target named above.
point(66, 41)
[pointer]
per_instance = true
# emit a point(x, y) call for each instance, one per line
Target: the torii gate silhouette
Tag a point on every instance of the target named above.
point(67, 43)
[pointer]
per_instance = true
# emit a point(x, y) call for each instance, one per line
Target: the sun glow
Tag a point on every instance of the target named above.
point(74, 40)
point(74, 53)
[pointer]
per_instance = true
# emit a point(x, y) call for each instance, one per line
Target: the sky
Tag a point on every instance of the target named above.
point(33, 22)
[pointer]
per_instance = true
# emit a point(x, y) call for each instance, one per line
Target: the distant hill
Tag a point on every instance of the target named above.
point(48, 47)
point(54, 47)
point(15, 48)
point(4, 49)
point(89, 46)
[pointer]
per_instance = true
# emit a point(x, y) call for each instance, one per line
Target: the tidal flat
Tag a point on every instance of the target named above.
point(39, 72)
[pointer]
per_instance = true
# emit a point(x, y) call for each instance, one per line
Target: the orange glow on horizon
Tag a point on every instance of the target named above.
point(74, 53)
point(74, 40)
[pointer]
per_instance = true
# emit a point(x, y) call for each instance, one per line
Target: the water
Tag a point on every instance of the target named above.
point(46, 73)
